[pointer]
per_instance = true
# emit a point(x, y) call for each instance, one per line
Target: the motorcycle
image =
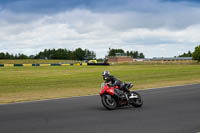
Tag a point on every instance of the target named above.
point(112, 97)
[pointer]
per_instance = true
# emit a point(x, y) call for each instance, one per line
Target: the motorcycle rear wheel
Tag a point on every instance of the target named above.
point(136, 102)
point(109, 102)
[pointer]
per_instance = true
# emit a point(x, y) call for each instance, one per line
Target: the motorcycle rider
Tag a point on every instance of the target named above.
point(114, 81)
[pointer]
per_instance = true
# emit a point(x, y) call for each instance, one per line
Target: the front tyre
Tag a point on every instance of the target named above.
point(137, 100)
point(109, 102)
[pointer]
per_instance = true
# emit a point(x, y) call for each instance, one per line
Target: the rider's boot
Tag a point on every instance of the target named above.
point(132, 96)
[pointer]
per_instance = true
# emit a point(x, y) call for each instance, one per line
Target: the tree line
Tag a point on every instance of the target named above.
point(77, 54)
point(133, 54)
point(85, 54)
point(188, 54)
point(11, 56)
point(195, 55)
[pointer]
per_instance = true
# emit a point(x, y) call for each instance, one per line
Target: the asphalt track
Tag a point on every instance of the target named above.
point(165, 110)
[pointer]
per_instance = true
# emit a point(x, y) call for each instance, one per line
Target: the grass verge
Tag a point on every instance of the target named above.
point(36, 83)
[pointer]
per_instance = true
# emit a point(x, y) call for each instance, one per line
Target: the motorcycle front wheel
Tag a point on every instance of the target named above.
point(109, 102)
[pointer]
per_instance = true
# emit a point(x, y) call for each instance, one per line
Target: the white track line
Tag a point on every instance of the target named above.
point(92, 95)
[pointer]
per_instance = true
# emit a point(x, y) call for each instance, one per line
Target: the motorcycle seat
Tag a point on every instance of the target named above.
point(128, 85)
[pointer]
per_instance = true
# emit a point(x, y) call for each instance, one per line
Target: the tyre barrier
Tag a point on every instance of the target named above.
point(35, 65)
point(8, 65)
point(17, 65)
point(98, 64)
point(55, 64)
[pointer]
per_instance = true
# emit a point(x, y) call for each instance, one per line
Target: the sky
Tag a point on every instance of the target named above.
point(158, 28)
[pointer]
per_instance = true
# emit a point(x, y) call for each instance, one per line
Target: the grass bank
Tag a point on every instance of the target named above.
point(35, 83)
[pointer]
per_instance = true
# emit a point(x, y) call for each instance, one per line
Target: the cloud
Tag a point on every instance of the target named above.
point(155, 28)
point(83, 28)
point(189, 1)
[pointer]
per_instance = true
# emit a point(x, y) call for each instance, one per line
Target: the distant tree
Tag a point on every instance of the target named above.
point(127, 53)
point(77, 54)
point(89, 55)
point(22, 56)
point(189, 54)
point(2, 55)
point(31, 57)
point(141, 55)
point(112, 52)
point(40, 55)
point(135, 54)
point(6, 56)
point(196, 53)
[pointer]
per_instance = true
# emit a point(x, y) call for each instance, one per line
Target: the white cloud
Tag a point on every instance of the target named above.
point(97, 31)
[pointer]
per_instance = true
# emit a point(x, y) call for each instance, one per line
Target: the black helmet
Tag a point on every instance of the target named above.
point(105, 75)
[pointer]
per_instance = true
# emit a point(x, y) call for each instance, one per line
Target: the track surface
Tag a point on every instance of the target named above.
point(165, 110)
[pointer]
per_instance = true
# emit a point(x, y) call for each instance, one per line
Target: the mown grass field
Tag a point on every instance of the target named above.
point(35, 83)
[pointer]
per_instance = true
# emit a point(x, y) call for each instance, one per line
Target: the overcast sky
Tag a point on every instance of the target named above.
point(158, 28)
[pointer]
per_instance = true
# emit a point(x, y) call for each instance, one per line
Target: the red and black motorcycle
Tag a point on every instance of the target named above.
point(112, 97)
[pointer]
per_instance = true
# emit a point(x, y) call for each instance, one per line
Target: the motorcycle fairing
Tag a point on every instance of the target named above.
point(109, 90)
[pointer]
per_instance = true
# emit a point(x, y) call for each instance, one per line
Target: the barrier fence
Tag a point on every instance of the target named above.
point(35, 65)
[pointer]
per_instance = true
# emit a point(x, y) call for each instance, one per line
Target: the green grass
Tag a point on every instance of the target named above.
point(34, 83)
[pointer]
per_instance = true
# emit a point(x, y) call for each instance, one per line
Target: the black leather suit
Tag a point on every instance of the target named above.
point(114, 81)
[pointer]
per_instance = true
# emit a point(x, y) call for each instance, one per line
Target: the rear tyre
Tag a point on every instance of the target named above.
point(136, 102)
point(109, 102)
